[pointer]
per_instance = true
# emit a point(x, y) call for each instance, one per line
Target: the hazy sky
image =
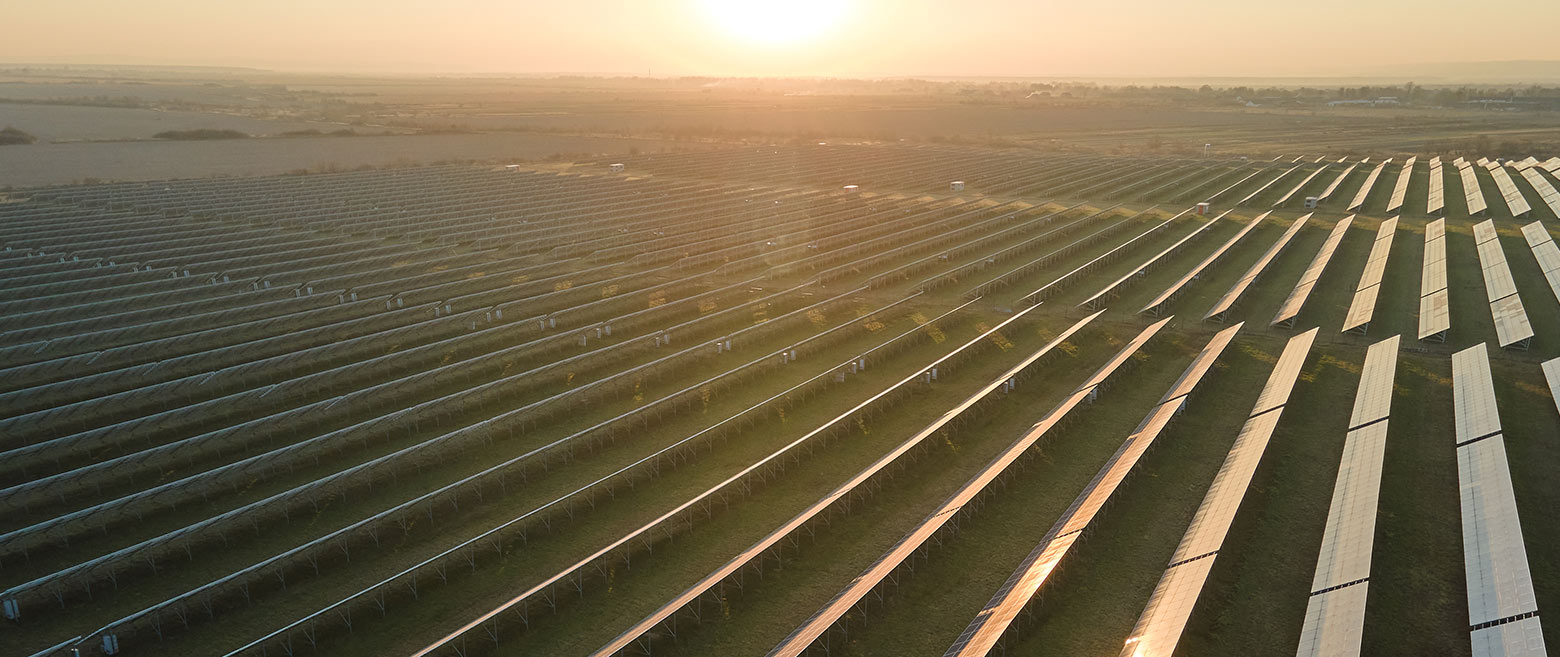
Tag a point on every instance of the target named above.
point(787, 37)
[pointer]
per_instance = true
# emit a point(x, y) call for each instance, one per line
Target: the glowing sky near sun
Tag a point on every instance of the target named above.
point(795, 37)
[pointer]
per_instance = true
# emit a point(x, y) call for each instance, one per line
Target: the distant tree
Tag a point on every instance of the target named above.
point(199, 135)
point(12, 137)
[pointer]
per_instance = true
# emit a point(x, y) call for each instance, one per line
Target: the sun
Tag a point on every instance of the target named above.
point(775, 22)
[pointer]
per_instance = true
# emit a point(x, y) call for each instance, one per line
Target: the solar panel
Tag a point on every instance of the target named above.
point(1159, 629)
point(1515, 202)
point(1519, 638)
point(1484, 231)
point(1400, 190)
point(1433, 276)
point(1473, 395)
point(1333, 626)
point(1512, 328)
point(1435, 315)
point(1535, 234)
point(1498, 282)
point(1351, 520)
point(1373, 400)
point(1471, 193)
point(1435, 197)
point(1296, 300)
point(1552, 375)
point(1333, 186)
point(1226, 302)
point(1546, 192)
point(1546, 253)
point(1370, 182)
point(1500, 586)
point(1363, 307)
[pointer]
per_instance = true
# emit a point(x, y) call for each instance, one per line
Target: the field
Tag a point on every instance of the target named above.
point(98, 126)
point(59, 164)
point(717, 402)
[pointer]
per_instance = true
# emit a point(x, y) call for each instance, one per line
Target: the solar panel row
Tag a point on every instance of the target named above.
point(1217, 195)
point(991, 622)
point(606, 484)
point(1258, 191)
point(817, 627)
point(1552, 375)
point(1435, 315)
point(1546, 253)
point(1335, 612)
point(1512, 328)
point(1010, 252)
point(1158, 304)
point(738, 482)
point(1299, 186)
point(1471, 192)
point(1502, 606)
point(1332, 187)
point(1370, 183)
point(1546, 191)
point(1400, 190)
point(1221, 308)
point(1435, 196)
point(1110, 291)
point(900, 168)
point(956, 244)
point(1054, 286)
point(1170, 606)
point(574, 296)
point(1363, 307)
point(1296, 300)
point(1515, 203)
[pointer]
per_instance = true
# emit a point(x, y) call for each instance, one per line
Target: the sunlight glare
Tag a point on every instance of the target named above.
point(775, 22)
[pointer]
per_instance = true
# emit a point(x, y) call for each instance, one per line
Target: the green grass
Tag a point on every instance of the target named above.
point(1417, 602)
